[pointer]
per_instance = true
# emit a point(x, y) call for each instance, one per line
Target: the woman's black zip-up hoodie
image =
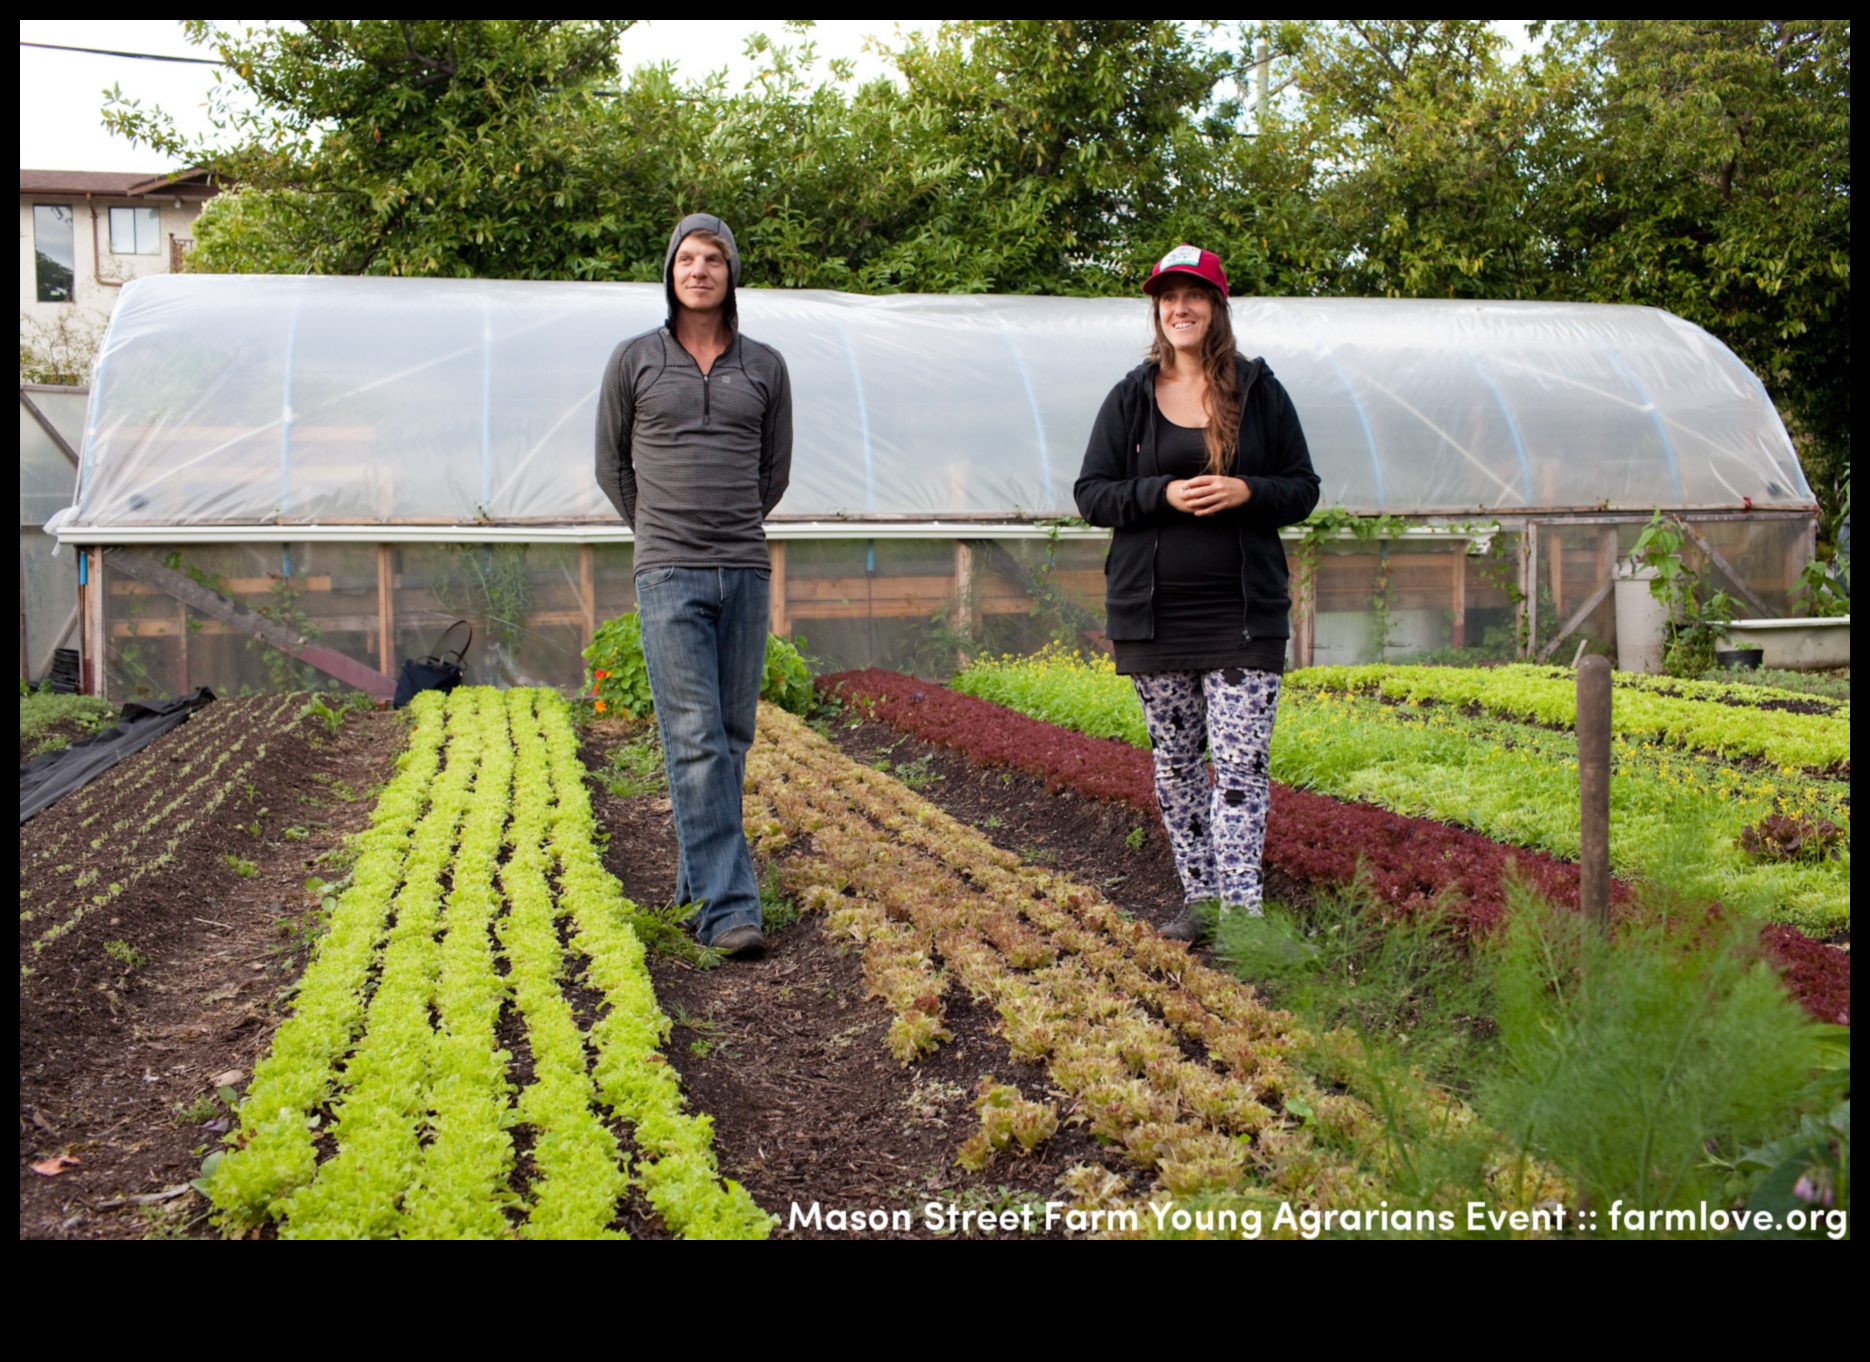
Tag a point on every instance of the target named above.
point(1121, 487)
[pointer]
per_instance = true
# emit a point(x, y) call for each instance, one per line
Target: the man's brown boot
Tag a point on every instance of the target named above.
point(743, 943)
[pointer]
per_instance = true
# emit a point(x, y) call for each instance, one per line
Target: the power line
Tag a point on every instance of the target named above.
point(112, 52)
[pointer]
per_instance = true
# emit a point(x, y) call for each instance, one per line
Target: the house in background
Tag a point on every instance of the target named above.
point(84, 234)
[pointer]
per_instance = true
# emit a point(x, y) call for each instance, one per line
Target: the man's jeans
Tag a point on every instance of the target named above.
point(704, 638)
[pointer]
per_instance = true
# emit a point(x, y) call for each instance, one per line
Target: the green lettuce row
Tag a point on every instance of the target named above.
point(276, 1152)
point(1056, 686)
point(1550, 696)
point(468, 1158)
point(581, 1175)
point(677, 1168)
point(358, 1192)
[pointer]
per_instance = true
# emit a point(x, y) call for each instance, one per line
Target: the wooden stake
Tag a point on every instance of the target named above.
point(1460, 596)
point(963, 585)
point(1305, 625)
point(1529, 586)
point(96, 670)
point(781, 621)
point(181, 649)
point(1594, 789)
point(587, 590)
point(1555, 555)
point(386, 610)
point(963, 595)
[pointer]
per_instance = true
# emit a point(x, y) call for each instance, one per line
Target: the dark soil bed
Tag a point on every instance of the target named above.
point(128, 1020)
point(787, 1055)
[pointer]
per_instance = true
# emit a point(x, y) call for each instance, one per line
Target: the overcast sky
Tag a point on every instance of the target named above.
point(60, 93)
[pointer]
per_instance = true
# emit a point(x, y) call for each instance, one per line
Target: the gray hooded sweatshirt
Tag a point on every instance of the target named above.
point(695, 462)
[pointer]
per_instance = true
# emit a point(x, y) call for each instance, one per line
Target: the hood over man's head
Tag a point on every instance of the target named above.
point(714, 227)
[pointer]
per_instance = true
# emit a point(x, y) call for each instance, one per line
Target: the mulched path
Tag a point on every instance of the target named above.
point(787, 1056)
point(110, 1049)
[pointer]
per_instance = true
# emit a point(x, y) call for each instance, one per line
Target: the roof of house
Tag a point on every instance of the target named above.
point(127, 184)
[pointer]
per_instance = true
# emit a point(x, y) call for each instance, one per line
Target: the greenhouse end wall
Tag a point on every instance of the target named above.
point(914, 604)
point(1539, 589)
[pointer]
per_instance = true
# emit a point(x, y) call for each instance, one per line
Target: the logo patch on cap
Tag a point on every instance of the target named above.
point(1181, 255)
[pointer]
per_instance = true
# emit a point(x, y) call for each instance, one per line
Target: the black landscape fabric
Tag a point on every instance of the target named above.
point(44, 781)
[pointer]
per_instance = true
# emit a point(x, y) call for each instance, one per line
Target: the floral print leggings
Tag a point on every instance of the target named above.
point(1216, 832)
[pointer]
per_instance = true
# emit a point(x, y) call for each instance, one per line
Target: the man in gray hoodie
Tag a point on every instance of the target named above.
point(694, 449)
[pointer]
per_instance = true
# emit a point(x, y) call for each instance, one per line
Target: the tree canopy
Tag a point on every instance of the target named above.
point(1701, 166)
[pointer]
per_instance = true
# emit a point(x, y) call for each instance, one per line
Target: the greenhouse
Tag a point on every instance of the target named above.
point(360, 462)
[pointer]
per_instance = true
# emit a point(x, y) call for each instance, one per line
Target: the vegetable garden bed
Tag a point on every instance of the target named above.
point(387, 1105)
point(1312, 839)
point(972, 1012)
point(1677, 810)
point(162, 914)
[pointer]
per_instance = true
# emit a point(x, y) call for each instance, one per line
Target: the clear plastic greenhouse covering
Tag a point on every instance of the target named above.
point(253, 400)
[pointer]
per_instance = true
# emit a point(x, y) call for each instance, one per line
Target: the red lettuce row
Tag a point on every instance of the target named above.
point(1818, 975)
point(1407, 862)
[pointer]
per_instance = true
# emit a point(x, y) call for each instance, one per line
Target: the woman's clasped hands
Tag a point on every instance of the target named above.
point(1208, 494)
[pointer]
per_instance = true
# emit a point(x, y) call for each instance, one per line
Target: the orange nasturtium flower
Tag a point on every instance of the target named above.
point(603, 675)
point(600, 706)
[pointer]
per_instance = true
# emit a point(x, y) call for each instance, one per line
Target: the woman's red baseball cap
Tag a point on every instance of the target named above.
point(1187, 259)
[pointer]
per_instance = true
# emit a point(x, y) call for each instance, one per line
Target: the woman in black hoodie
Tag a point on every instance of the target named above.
point(1195, 462)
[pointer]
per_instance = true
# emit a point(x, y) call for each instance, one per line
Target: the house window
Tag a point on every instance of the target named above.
point(135, 231)
point(52, 251)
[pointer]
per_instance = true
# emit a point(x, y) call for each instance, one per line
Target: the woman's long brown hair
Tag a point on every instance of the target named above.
point(1217, 362)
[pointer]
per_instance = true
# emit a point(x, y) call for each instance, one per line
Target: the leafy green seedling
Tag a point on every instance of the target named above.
point(332, 719)
point(776, 909)
point(198, 1112)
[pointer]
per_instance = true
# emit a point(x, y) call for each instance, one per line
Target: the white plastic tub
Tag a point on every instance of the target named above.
point(1808, 644)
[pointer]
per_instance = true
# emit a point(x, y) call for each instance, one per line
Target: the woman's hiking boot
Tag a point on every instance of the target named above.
point(1194, 924)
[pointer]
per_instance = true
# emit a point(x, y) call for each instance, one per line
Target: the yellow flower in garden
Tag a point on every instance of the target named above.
point(600, 706)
